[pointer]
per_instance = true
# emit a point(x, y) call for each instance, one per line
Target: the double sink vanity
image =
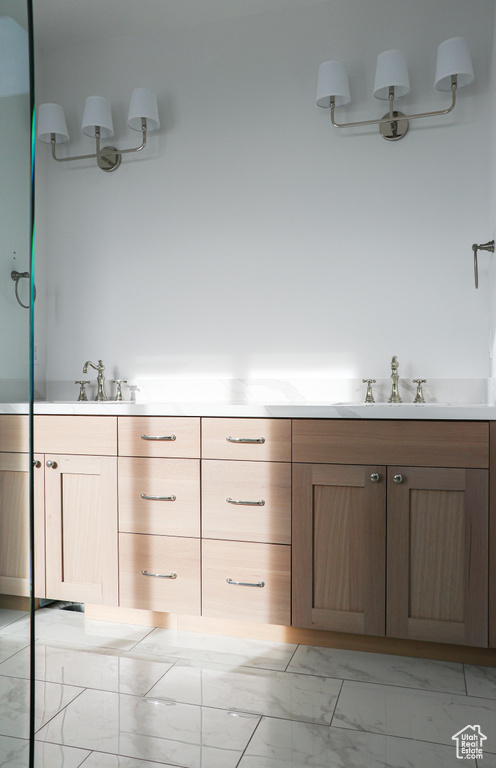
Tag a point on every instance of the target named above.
point(307, 523)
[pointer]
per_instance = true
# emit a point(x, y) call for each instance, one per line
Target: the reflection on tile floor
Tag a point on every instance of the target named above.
point(119, 696)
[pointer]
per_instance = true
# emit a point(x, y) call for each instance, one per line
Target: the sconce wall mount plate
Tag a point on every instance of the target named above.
point(454, 70)
point(109, 159)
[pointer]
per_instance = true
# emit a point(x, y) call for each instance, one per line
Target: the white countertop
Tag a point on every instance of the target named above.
point(447, 411)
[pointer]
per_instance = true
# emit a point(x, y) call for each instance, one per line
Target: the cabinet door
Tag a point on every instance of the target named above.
point(339, 541)
point(438, 555)
point(81, 528)
point(14, 528)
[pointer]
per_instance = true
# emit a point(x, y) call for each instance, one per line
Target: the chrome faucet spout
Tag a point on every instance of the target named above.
point(100, 379)
point(395, 394)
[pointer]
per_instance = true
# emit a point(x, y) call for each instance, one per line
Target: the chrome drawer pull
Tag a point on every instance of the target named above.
point(260, 503)
point(160, 575)
point(158, 437)
point(245, 583)
point(245, 439)
point(158, 498)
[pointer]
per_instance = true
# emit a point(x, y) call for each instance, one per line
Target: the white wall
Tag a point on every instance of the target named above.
point(15, 241)
point(487, 258)
point(252, 240)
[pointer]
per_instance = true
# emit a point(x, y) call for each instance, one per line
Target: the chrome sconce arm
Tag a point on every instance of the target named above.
point(394, 124)
point(107, 158)
point(454, 71)
point(97, 124)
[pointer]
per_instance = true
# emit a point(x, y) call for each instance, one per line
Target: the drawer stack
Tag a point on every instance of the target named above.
point(159, 513)
point(246, 519)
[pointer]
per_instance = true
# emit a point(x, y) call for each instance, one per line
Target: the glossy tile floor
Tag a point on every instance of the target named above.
point(120, 696)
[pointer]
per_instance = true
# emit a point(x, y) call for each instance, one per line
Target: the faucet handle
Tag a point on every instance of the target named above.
point(133, 388)
point(369, 397)
point(82, 391)
point(419, 396)
point(119, 382)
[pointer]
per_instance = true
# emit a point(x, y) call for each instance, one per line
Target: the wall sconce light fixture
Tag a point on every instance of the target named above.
point(453, 71)
point(97, 123)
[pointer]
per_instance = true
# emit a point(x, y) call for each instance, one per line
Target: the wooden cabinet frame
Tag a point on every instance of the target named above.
point(437, 555)
point(370, 550)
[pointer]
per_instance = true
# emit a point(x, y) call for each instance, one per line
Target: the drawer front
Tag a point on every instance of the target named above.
point(14, 432)
point(419, 443)
point(86, 435)
point(269, 564)
point(250, 439)
point(159, 436)
point(165, 556)
point(160, 496)
point(246, 501)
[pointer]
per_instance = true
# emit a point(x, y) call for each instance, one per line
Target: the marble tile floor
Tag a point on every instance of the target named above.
point(119, 696)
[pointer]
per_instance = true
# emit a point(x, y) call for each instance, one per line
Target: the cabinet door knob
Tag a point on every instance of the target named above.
point(37, 463)
point(375, 477)
point(51, 464)
point(398, 478)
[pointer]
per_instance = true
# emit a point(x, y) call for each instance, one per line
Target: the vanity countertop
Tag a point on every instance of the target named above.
point(445, 411)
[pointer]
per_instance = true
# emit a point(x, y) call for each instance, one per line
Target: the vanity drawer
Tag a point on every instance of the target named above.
point(251, 439)
point(250, 483)
point(165, 556)
point(248, 563)
point(159, 436)
point(414, 443)
point(176, 483)
point(14, 432)
point(86, 435)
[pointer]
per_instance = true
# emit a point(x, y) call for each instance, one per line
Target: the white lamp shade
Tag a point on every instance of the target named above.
point(453, 58)
point(97, 113)
point(143, 104)
point(332, 82)
point(51, 119)
point(391, 70)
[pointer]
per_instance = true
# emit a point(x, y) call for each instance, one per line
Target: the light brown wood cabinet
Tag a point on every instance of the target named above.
point(339, 548)
point(246, 519)
point(246, 501)
point(437, 555)
point(246, 581)
point(14, 529)
point(422, 530)
point(14, 512)
point(79, 495)
point(81, 527)
point(159, 514)
point(159, 573)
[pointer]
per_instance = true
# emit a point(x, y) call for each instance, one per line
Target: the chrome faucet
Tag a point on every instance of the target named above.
point(395, 395)
point(100, 379)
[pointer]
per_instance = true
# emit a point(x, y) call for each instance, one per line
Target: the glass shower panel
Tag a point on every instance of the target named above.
point(15, 388)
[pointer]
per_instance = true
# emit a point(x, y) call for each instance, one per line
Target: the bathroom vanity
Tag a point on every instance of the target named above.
point(325, 529)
